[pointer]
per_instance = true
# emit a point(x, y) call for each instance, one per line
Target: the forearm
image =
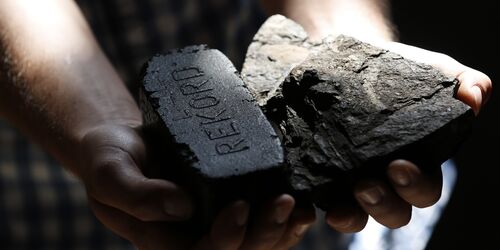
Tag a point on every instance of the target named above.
point(365, 19)
point(55, 82)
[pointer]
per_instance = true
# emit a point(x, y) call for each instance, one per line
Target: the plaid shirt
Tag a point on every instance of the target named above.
point(42, 207)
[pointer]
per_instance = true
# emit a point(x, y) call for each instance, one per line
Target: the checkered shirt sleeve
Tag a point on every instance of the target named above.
point(41, 205)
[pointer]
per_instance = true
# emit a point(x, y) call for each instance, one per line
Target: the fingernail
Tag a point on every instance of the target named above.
point(478, 98)
point(371, 196)
point(400, 177)
point(177, 209)
point(243, 210)
point(301, 230)
point(281, 213)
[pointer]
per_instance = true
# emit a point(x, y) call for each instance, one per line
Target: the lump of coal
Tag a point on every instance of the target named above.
point(208, 132)
point(362, 103)
point(350, 105)
point(280, 45)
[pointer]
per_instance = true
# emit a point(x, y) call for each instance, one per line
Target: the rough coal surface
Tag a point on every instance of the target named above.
point(349, 108)
point(362, 102)
point(207, 129)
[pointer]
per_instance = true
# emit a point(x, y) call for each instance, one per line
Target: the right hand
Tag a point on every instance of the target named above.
point(147, 212)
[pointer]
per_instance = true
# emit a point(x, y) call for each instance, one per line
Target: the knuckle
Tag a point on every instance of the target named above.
point(399, 220)
point(103, 172)
point(105, 184)
point(145, 202)
point(98, 177)
point(141, 210)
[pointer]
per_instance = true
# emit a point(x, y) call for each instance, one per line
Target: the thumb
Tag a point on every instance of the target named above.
point(475, 88)
point(111, 172)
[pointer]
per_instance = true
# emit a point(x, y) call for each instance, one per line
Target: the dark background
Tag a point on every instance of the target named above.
point(467, 31)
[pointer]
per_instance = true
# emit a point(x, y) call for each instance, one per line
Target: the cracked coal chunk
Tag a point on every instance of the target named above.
point(353, 106)
point(207, 130)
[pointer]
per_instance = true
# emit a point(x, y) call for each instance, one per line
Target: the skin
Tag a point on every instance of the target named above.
point(58, 87)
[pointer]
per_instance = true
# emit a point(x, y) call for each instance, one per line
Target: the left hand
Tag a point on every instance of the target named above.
point(390, 203)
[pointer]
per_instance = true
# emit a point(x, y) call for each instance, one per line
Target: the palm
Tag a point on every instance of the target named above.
point(408, 186)
point(475, 86)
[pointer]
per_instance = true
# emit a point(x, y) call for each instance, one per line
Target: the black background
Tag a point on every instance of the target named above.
point(467, 31)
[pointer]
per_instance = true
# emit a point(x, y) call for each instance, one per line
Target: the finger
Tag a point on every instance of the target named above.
point(418, 189)
point(228, 229)
point(383, 204)
point(117, 221)
point(292, 236)
point(475, 88)
point(144, 235)
point(112, 156)
point(270, 224)
point(115, 180)
point(347, 219)
point(124, 137)
point(300, 221)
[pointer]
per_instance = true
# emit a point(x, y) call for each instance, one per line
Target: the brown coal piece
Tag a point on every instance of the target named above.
point(348, 108)
point(353, 105)
point(207, 132)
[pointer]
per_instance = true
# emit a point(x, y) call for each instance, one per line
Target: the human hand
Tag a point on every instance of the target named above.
point(152, 213)
point(390, 202)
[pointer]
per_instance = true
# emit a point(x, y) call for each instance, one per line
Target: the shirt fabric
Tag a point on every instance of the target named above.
point(43, 207)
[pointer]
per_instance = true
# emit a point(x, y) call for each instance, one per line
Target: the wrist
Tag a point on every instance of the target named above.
point(367, 20)
point(108, 119)
point(57, 103)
